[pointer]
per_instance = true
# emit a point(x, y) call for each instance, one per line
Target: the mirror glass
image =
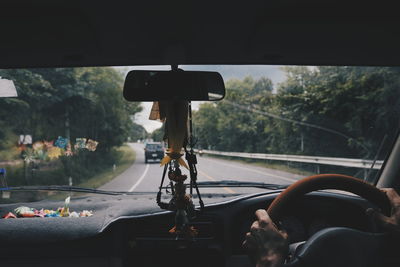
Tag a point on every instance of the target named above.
point(147, 85)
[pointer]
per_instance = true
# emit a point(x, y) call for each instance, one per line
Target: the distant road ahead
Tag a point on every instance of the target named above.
point(147, 177)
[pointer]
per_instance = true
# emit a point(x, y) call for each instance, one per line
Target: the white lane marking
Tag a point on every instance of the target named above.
point(140, 179)
point(256, 171)
point(213, 179)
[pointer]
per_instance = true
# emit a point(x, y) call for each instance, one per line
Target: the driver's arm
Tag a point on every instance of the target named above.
point(266, 245)
point(391, 223)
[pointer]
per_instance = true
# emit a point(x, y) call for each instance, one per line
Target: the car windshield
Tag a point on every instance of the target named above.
point(277, 124)
point(154, 146)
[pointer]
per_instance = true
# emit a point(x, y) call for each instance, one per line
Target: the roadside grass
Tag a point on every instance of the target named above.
point(288, 167)
point(11, 156)
point(127, 159)
point(46, 176)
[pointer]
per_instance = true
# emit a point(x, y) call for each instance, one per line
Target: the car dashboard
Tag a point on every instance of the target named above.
point(142, 239)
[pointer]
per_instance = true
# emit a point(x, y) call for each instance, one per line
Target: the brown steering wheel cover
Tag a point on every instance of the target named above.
point(327, 181)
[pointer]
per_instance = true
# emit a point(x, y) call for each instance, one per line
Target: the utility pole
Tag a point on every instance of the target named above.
point(302, 142)
point(67, 131)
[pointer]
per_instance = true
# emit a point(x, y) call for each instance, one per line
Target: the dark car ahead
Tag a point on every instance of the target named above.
point(153, 151)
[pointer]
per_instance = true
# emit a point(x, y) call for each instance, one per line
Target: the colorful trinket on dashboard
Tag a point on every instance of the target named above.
point(39, 213)
point(80, 143)
point(86, 213)
point(68, 151)
point(74, 214)
point(9, 215)
point(91, 145)
point(38, 146)
point(48, 144)
point(51, 213)
point(54, 152)
point(24, 212)
point(61, 142)
point(21, 147)
point(28, 155)
point(65, 210)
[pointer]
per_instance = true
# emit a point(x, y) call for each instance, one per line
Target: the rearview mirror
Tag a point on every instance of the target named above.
point(147, 85)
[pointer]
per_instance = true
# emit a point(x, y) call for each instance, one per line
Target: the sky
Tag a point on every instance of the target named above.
point(227, 71)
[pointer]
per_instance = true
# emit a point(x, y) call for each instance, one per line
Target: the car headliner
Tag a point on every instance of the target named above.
point(116, 33)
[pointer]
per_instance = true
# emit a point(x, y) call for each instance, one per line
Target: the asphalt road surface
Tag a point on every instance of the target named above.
point(142, 177)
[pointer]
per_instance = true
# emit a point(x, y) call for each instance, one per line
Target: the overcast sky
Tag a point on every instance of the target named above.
point(227, 71)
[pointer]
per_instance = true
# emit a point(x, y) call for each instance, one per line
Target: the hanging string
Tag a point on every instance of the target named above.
point(192, 160)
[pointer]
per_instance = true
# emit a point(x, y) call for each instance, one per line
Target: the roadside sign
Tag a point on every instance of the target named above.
point(25, 139)
point(7, 88)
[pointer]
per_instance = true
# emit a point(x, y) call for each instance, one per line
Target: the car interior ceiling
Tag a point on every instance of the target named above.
point(92, 33)
point(118, 33)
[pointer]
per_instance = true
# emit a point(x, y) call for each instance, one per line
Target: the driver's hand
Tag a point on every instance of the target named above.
point(266, 245)
point(391, 223)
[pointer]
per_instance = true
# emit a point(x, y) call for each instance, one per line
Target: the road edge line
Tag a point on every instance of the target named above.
point(140, 179)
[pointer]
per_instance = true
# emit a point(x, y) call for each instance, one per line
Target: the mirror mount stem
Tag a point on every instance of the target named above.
point(191, 138)
point(174, 67)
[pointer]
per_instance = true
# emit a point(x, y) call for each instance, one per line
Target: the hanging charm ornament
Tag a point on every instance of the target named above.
point(183, 205)
point(176, 116)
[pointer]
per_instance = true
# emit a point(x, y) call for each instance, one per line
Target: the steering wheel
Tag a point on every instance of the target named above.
point(327, 181)
point(336, 246)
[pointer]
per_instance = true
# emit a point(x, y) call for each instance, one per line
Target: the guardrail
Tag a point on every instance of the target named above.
point(344, 162)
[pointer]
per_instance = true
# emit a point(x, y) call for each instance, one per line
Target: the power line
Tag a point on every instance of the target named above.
point(251, 109)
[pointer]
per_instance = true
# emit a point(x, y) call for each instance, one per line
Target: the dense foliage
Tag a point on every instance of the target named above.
point(68, 102)
point(158, 134)
point(138, 132)
point(322, 111)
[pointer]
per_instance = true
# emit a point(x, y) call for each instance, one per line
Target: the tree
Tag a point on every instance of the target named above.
point(69, 102)
point(158, 134)
point(322, 111)
point(138, 132)
point(79, 102)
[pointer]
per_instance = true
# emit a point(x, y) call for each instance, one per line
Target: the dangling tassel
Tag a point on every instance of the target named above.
point(175, 116)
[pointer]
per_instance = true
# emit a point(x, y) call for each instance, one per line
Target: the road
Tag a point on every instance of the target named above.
point(141, 177)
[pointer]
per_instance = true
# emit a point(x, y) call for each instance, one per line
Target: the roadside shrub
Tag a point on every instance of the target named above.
point(80, 167)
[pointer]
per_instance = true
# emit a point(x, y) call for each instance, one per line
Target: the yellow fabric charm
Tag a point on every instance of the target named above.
point(170, 157)
point(175, 116)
